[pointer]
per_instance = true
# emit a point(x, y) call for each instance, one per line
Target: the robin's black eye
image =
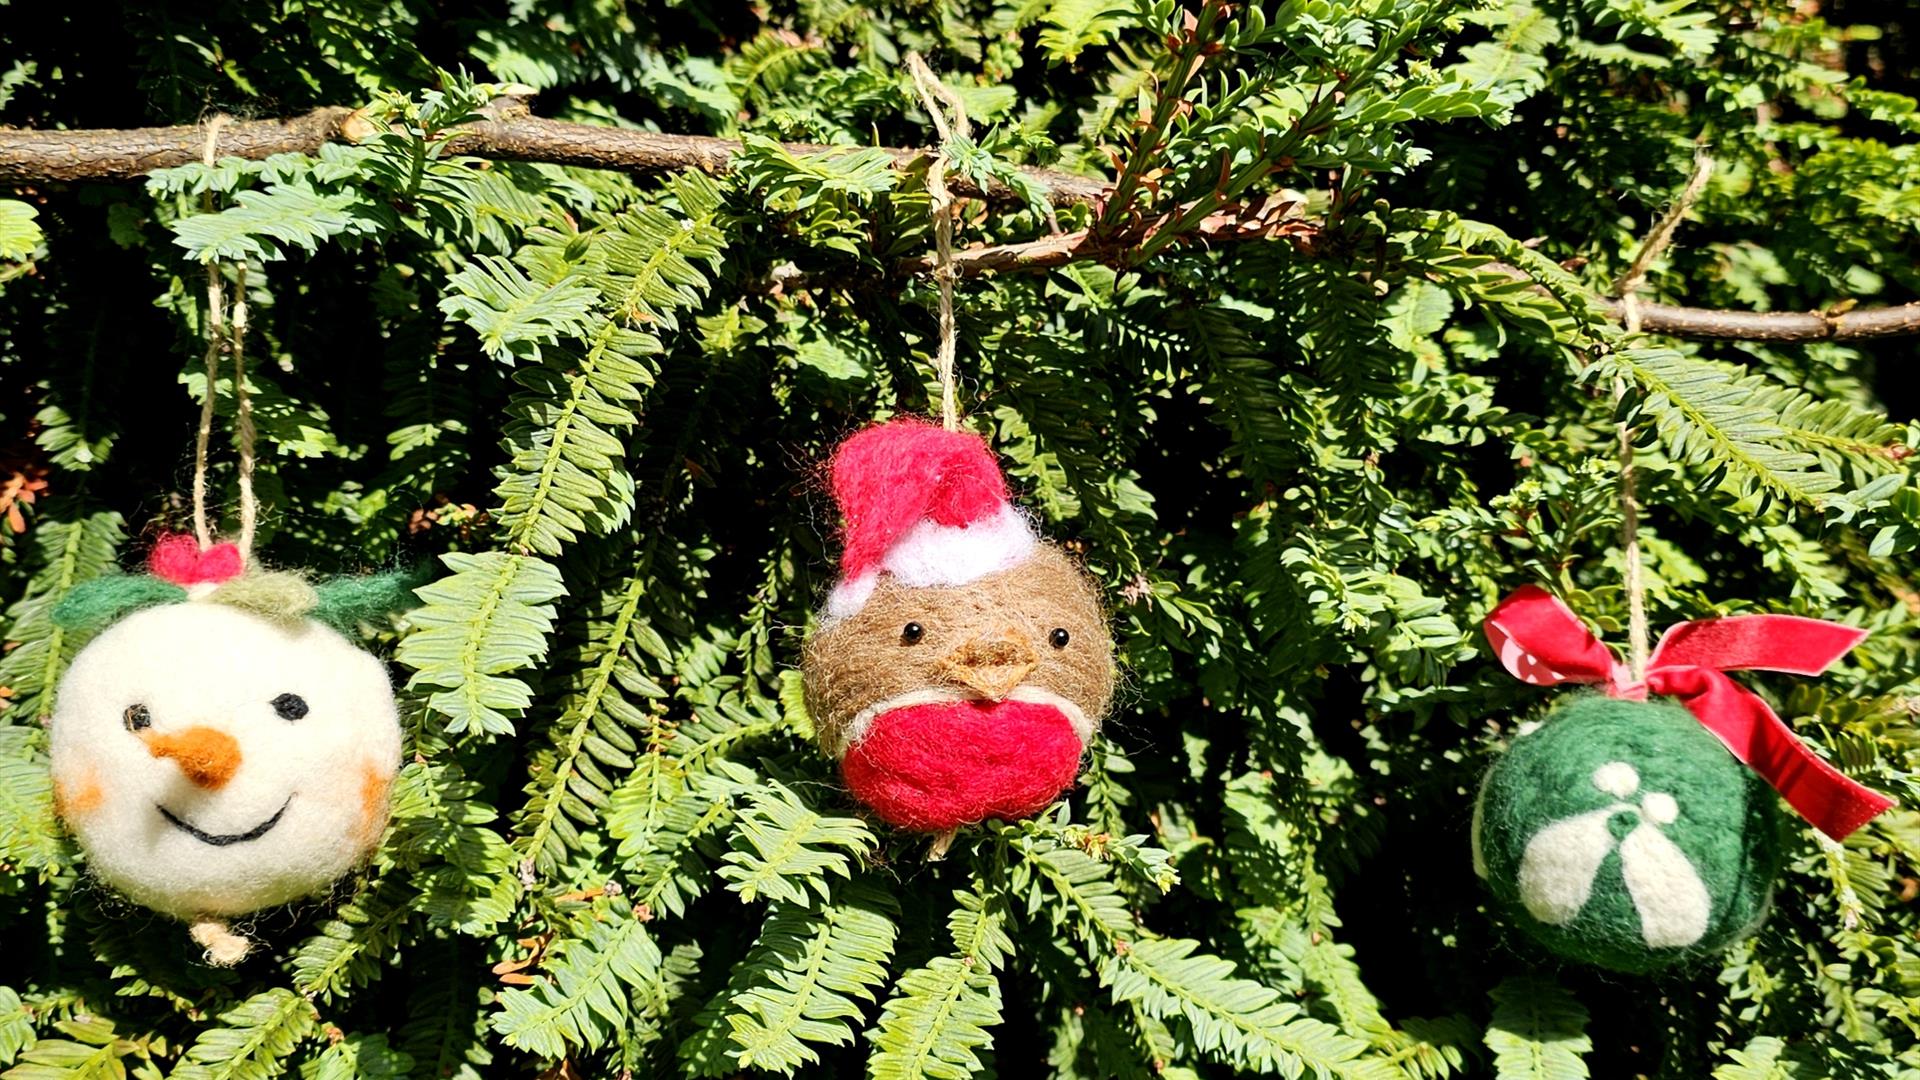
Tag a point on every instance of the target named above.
point(911, 633)
point(137, 718)
point(1059, 638)
point(290, 706)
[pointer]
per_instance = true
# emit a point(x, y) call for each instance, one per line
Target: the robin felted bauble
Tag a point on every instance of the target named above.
point(961, 664)
point(221, 746)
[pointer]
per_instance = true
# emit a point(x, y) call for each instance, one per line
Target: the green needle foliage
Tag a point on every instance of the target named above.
point(1331, 369)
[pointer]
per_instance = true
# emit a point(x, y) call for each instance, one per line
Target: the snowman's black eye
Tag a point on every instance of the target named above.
point(1059, 638)
point(911, 633)
point(290, 706)
point(137, 718)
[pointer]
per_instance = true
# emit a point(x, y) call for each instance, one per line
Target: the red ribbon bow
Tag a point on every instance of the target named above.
point(1541, 641)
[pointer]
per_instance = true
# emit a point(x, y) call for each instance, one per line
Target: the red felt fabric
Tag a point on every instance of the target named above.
point(892, 475)
point(178, 559)
point(934, 767)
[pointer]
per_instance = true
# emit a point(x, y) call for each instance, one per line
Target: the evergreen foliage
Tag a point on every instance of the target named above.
point(1303, 467)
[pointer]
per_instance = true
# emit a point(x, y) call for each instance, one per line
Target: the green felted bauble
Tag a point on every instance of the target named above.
point(1623, 834)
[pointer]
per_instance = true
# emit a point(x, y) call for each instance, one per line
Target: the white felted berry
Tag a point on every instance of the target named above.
point(212, 761)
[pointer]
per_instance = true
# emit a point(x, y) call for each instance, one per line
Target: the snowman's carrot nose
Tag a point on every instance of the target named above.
point(209, 757)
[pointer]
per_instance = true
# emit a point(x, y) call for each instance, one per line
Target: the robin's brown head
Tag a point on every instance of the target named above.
point(1034, 632)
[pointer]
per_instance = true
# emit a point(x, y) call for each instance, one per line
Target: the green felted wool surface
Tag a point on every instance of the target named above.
point(346, 602)
point(92, 605)
point(1623, 834)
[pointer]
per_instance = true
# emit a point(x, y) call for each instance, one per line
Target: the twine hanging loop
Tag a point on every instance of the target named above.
point(226, 335)
point(1627, 289)
point(939, 102)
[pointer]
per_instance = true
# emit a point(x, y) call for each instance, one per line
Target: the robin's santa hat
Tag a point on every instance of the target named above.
point(926, 505)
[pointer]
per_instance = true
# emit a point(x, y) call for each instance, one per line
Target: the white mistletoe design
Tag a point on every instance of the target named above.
point(1558, 868)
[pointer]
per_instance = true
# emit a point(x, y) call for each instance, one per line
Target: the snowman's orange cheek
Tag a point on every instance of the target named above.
point(376, 784)
point(77, 794)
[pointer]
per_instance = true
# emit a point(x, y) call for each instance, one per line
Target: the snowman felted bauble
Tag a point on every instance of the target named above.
point(961, 664)
point(221, 747)
point(1640, 829)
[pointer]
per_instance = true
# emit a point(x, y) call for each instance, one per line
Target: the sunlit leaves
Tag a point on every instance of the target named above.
point(582, 999)
point(254, 1039)
point(20, 234)
point(1538, 1031)
point(489, 618)
point(786, 850)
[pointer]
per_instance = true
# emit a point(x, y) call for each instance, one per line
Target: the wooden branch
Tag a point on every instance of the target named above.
point(1274, 219)
point(28, 156)
point(1687, 322)
point(508, 131)
point(1859, 324)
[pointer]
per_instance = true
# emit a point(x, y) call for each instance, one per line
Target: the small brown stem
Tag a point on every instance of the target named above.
point(937, 851)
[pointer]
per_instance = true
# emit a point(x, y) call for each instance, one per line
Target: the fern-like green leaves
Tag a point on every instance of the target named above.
point(253, 1039)
point(92, 1050)
point(785, 850)
point(583, 999)
point(803, 975)
point(1170, 979)
point(943, 1013)
point(1538, 1031)
point(489, 618)
point(20, 234)
point(514, 314)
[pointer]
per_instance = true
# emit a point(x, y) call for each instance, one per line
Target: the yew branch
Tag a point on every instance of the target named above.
point(508, 131)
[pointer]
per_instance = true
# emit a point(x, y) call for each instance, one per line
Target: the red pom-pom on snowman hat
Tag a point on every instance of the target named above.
point(961, 664)
point(922, 504)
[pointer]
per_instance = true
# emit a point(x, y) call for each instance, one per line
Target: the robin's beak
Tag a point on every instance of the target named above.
point(991, 664)
point(208, 756)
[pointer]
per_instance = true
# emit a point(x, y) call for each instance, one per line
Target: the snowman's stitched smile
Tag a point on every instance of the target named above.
point(223, 839)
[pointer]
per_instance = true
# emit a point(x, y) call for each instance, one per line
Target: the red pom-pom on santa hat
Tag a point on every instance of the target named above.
point(925, 504)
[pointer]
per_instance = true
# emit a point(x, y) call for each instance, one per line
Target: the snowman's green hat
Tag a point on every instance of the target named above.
point(180, 570)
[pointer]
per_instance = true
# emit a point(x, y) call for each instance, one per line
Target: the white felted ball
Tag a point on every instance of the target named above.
point(213, 762)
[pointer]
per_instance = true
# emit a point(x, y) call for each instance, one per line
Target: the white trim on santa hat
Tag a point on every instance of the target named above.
point(935, 554)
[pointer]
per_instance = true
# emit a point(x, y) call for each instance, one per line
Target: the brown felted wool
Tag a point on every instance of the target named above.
point(985, 639)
